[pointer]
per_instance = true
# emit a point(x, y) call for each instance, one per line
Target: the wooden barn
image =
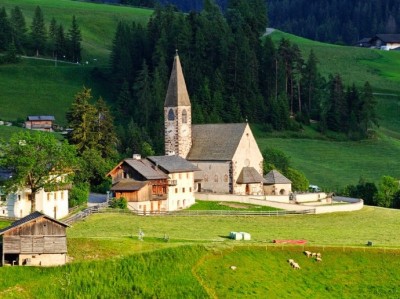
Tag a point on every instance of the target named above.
point(35, 240)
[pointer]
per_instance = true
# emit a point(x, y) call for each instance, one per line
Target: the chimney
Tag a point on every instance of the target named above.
point(137, 156)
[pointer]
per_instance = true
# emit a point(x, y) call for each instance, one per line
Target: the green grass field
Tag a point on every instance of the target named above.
point(96, 21)
point(215, 206)
point(354, 64)
point(110, 262)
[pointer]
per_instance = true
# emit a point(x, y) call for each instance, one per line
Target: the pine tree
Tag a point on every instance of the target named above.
point(53, 30)
point(38, 32)
point(368, 116)
point(106, 136)
point(19, 29)
point(74, 42)
point(81, 119)
point(60, 46)
point(5, 30)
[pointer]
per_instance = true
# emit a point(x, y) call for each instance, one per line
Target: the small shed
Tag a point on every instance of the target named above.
point(276, 183)
point(35, 240)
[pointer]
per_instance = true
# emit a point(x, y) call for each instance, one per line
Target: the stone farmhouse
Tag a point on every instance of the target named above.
point(155, 184)
point(381, 41)
point(227, 154)
point(276, 183)
point(35, 240)
point(18, 205)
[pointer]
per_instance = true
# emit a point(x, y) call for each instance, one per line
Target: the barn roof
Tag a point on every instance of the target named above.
point(389, 38)
point(128, 185)
point(215, 142)
point(177, 94)
point(31, 217)
point(40, 117)
point(173, 164)
point(249, 175)
point(275, 177)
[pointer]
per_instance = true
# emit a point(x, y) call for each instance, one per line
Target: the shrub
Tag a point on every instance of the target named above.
point(79, 194)
point(119, 203)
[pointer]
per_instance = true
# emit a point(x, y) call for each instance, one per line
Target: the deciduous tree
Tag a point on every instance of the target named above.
point(37, 160)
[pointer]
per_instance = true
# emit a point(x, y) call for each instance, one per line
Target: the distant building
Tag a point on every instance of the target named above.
point(385, 41)
point(155, 184)
point(35, 240)
point(227, 154)
point(40, 122)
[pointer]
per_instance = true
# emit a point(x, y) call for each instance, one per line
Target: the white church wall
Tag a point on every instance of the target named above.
point(215, 176)
point(247, 155)
point(278, 189)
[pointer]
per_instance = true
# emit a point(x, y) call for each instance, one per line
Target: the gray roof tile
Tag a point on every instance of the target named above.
point(146, 169)
point(173, 164)
point(275, 177)
point(215, 142)
point(249, 175)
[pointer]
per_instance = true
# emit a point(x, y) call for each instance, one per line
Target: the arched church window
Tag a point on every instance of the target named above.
point(184, 116)
point(171, 114)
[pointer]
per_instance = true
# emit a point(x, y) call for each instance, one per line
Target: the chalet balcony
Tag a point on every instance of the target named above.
point(172, 182)
point(159, 197)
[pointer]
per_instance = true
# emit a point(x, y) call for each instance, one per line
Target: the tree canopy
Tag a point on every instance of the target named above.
point(37, 160)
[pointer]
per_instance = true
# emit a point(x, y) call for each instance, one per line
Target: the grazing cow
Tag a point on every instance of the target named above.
point(233, 267)
point(290, 261)
point(318, 254)
point(318, 259)
point(314, 254)
point(296, 266)
point(307, 253)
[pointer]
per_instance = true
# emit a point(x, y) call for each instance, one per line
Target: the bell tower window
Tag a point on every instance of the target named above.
point(171, 114)
point(184, 116)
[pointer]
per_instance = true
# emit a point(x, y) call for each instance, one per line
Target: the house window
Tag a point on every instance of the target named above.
point(176, 190)
point(19, 197)
point(190, 189)
point(48, 196)
point(171, 114)
point(184, 116)
point(55, 195)
point(183, 190)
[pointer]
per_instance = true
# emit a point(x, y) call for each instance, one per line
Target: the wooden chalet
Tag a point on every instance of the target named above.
point(40, 122)
point(141, 183)
point(35, 240)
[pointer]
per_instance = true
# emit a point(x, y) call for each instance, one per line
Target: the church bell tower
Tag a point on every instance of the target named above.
point(177, 114)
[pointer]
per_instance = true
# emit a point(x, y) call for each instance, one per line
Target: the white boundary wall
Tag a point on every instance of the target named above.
point(351, 204)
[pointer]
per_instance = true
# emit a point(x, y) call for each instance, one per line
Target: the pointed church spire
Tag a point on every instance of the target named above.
point(177, 94)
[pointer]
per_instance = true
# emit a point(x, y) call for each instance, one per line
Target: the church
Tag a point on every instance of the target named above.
point(227, 154)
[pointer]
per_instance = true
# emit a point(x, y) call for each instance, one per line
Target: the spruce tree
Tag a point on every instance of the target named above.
point(38, 32)
point(5, 30)
point(19, 29)
point(74, 42)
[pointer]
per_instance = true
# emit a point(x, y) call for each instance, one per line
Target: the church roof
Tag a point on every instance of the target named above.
point(215, 142)
point(275, 177)
point(249, 175)
point(173, 164)
point(177, 94)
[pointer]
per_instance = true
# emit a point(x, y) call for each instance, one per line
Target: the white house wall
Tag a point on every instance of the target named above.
point(18, 205)
point(247, 155)
point(182, 195)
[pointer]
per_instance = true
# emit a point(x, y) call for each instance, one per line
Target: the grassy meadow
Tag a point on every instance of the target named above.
point(96, 21)
point(108, 260)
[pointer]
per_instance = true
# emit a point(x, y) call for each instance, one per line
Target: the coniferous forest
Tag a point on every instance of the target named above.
point(232, 76)
point(335, 21)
